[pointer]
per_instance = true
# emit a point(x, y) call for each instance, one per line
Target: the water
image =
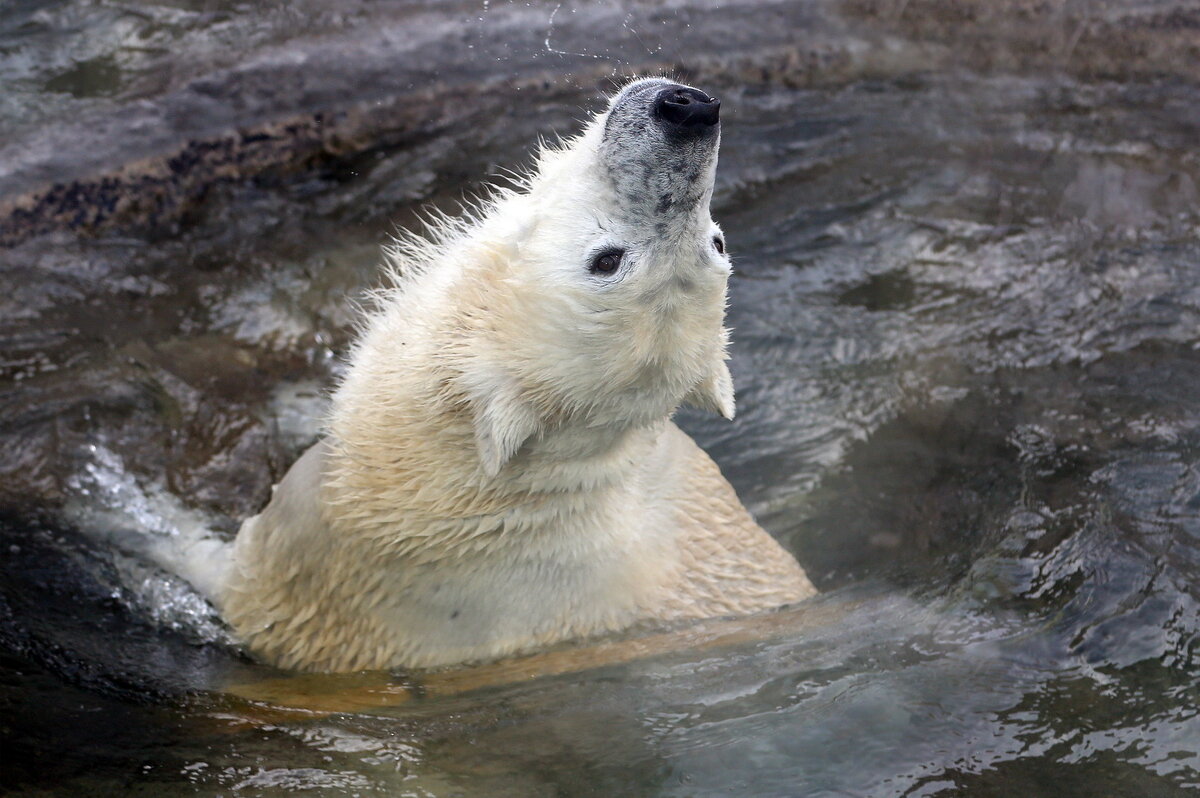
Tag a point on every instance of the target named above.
point(967, 351)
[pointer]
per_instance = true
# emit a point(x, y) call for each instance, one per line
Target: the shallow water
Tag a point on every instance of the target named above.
point(967, 352)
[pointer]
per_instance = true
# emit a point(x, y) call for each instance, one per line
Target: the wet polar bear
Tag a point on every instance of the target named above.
point(501, 471)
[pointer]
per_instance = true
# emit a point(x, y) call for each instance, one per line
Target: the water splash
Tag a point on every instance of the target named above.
point(164, 554)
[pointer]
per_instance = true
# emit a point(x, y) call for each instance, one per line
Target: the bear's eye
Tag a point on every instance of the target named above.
point(606, 262)
point(719, 243)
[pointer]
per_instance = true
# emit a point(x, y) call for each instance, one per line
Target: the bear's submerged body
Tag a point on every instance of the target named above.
point(674, 545)
point(501, 472)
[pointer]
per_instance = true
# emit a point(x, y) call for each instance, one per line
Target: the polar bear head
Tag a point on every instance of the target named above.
point(593, 298)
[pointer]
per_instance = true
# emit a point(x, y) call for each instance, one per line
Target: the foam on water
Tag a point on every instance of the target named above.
point(165, 554)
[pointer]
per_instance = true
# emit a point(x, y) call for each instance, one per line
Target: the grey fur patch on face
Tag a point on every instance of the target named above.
point(657, 175)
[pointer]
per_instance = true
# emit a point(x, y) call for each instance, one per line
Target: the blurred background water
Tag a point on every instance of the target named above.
point(966, 317)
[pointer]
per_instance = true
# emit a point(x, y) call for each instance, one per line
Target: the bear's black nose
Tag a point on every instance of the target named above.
point(686, 110)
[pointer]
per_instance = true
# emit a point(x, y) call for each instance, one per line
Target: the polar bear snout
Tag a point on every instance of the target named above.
point(653, 104)
point(685, 111)
point(657, 147)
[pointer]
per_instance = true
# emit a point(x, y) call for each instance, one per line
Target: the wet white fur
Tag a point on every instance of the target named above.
point(501, 472)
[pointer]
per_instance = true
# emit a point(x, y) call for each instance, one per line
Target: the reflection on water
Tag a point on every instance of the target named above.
point(967, 348)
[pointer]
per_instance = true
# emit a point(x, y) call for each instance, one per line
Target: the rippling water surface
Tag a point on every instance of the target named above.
point(967, 350)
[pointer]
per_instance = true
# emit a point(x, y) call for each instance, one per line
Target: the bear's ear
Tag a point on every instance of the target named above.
point(503, 422)
point(714, 392)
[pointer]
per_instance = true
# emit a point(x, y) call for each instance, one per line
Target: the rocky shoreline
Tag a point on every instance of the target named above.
point(408, 71)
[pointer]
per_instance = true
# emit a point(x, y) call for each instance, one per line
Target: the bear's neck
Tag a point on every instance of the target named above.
point(412, 485)
point(582, 457)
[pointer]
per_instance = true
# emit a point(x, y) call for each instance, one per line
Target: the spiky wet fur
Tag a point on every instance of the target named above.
point(501, 472)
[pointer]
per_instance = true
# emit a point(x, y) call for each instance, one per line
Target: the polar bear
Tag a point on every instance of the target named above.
point(500, 471)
